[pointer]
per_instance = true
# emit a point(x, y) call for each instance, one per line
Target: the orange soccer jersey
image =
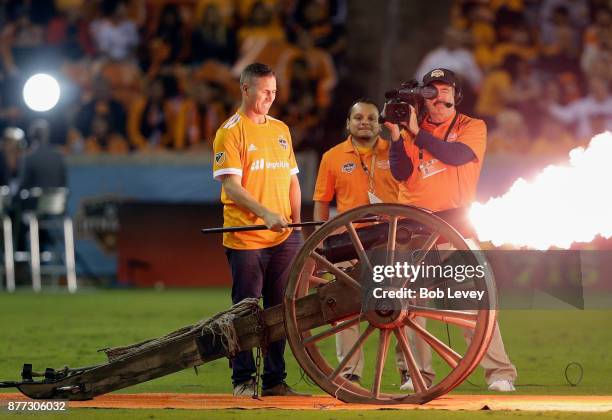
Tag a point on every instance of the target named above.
point(262, 155)
point(435, 185)
point(342, 175)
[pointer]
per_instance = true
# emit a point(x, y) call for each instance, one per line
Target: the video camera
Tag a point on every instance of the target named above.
point(397, 107)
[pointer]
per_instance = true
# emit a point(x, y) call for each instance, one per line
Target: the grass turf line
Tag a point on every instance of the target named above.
point(57, 329)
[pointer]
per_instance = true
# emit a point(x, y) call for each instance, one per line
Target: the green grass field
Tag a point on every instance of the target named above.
point(56, 329)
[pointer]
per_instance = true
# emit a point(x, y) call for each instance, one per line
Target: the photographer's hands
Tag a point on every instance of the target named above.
point(394, 130)
point(412, 127)
point(413, 124)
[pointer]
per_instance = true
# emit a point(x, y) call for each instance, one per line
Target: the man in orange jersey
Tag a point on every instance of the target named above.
point(356, 172)
point(255, 163)
point(437, 163)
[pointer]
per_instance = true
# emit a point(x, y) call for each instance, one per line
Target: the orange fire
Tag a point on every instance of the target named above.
point(563, 205)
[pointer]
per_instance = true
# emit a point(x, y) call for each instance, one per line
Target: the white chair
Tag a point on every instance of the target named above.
point(48, 212)
point(7, 234)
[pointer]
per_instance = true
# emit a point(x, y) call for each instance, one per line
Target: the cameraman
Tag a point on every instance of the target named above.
point(437, 161)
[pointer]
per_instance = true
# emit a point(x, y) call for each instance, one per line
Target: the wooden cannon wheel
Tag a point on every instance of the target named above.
point(311, 347)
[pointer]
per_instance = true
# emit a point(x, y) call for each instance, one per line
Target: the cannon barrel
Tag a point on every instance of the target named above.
point(339, 247)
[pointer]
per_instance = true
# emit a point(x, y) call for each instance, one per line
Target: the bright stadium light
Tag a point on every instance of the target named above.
point(41, 92)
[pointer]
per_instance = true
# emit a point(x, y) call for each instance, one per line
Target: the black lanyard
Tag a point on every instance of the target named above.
point(448, 130)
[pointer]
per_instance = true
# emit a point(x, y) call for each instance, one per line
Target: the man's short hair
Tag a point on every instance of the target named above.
point(255, 70)
point(361, 101)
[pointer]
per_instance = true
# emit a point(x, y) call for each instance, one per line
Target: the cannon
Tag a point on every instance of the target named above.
point(316, 307)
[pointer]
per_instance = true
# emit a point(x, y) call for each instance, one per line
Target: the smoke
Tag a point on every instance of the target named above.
point(562, 205)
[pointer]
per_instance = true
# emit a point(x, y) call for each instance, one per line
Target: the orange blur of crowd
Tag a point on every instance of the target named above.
point(162, 75)
point(545, 70)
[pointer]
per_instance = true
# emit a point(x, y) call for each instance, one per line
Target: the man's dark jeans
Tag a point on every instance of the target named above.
point(257, 273)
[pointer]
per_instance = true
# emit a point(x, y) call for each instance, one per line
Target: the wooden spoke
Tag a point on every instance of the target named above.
point(391, 240)
point(449, 355)
point(316, 281)
point(358, 344)
point(426, 247)
point(383, 346)
point(331, 331)
point(415, 373)
point(340, 275)
point(358, 246)
point(461, 318)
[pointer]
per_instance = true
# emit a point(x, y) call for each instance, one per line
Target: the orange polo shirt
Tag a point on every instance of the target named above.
point(435, 185)
point(341, 175)
point(262, 155)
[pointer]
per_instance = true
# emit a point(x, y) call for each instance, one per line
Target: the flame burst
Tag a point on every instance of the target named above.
point(561, 206)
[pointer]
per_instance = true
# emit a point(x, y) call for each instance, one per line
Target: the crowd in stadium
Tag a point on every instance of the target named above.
point(539, 72)
point(160, 74)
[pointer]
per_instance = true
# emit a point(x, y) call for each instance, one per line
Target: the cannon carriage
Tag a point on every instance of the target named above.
point(329, 289)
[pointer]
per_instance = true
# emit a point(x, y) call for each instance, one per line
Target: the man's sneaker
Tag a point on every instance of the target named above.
point(407, 386)
point(282, 390)
point(502, 385)
point(406, 381)
point(353, 378)
point(245, 389)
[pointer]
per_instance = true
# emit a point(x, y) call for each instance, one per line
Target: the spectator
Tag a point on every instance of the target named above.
point(20, 41)
point(495, 87)
point(261, 25)
point(68, 32)
point(213, 106)
point(554, 138)
point(115, 35)
point(261, 39)
point(173, 34)
point(483, 37)
point(591, 113)
point(453, 56)
point(11, 110)
point(43, 166)
point(317, 19)
point(124, 80)
point(570, 84)
point(301, 113)
point(226, 9)
point(515, 40)
point(577, 14)
point(596, 59)
point(319, 68)
point(560, 44)
point(103, 140)
point(108, 110)
point(213, 39)
point(524, 93)
point(147, 125)
point(510, 133)
point(181, 118)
